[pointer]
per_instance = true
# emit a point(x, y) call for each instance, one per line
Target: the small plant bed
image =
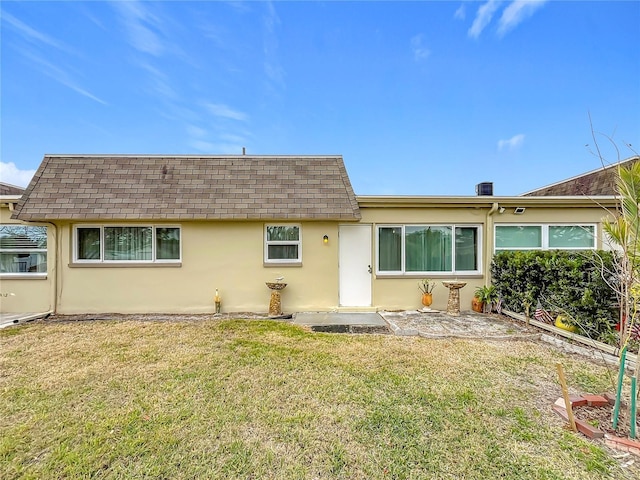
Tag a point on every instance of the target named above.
point(593, 415)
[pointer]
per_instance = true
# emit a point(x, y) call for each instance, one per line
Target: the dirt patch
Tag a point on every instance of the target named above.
point(601, 418)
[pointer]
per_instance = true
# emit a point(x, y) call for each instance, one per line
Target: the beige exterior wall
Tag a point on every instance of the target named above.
point(393, 292)
point(228, 256)
point(33, 295)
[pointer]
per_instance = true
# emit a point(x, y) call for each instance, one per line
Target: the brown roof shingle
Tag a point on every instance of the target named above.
point(591, 184)
point(8, 189)
point(127, 187)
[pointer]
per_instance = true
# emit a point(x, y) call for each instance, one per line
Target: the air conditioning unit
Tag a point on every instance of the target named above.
point(484, 189)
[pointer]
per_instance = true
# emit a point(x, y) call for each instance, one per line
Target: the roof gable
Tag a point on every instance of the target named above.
point(132, 187)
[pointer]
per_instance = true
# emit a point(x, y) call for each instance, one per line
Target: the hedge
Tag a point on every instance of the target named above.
point(564, 282)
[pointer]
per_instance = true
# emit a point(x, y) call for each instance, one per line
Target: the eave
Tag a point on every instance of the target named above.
point(372, 201)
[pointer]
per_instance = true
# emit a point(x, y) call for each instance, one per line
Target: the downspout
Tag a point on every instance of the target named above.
point(53, 302)
point(488, 246)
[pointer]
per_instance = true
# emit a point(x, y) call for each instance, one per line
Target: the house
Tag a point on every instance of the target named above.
point(153, 233)
point(601, 181)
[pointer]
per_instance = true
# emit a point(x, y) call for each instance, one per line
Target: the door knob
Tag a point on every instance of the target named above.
point(369, 269)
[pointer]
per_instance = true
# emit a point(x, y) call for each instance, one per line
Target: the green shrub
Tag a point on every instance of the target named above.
point(563, 281)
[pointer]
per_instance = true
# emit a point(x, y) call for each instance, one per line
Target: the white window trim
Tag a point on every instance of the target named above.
point(283, 242)
point(403, 271)
point(545, 236)
point(9, 275)
point(102, 261)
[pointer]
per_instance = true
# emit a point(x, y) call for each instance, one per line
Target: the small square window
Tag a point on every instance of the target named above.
point(283, 244)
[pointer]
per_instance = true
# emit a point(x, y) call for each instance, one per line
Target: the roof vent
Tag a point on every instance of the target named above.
point(484, 189)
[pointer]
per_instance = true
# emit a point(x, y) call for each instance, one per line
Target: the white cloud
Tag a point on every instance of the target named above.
point(143, 27)
point(203, 146)
point(38, 40)
point(420, 51)
point(61, 76)
point(195, 131)
point(11, 174)
point(461, 13)
point(512, 143)
point(483, 17)
point(516, 12)
point(220, 110)
point(272, 67)
point(30, 33)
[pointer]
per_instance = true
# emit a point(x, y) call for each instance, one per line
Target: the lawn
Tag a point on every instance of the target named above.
point(261, 399)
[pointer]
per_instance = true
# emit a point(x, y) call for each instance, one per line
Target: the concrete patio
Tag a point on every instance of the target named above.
point(432, 324)
point(468, 325)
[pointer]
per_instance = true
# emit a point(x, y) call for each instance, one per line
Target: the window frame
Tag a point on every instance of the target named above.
point(403, 272)
point(28, 251)
point(545, 236)
point(102, 261)
point(267, 243)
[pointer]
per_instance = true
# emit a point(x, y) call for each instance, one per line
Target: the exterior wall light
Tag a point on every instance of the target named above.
point(325, 239)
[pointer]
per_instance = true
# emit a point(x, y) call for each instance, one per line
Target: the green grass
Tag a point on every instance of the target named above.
point(258, 399)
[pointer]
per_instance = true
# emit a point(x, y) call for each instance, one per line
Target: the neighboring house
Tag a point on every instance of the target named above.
point(129, 233)
point(597, 182)
point(7, 190)
point(23, 256)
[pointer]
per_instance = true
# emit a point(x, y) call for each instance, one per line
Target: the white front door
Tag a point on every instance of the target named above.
point(355, 265)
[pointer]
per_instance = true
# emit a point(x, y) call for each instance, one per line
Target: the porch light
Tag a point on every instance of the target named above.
point(325, 239)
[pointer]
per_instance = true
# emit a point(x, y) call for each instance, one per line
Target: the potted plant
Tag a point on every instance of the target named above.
point(426, 287)
point(485, 297)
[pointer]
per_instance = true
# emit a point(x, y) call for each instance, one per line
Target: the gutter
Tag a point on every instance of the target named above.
point(482, 201)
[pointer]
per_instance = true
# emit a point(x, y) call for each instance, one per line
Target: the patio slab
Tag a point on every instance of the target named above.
point(436, 324)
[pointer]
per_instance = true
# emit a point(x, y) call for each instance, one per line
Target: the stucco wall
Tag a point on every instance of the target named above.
point(229, 256)
point(19, 295)
point(391, 292)
point(223, 255)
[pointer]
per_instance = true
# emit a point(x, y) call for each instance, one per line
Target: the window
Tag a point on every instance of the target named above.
point(282, 244)
point(146, 244)
point(23, 250)
point(544, 237)
point(518, 237)
point(420, 249)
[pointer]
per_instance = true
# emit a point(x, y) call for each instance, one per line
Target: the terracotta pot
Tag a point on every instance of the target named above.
point(477, 305)
point(427, 299)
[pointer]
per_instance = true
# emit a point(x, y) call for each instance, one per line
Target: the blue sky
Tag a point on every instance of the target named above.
point(421, 98)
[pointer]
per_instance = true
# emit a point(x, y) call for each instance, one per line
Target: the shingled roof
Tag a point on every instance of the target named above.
point(128, 187)
point(591, 184)
point(8, 189)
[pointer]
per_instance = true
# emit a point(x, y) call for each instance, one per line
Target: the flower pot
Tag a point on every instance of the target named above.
point(477, 305)
point(427, 299)
point(565, 326)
